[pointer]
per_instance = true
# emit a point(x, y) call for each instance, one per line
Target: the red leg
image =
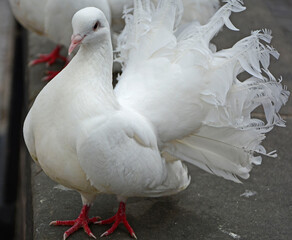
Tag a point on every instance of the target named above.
point(51, 74)
point(120, 217)
point(81, 221)
point(49, 58)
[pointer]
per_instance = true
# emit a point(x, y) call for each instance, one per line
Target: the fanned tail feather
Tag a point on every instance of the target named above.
point(199, 10)
point(262, 88)
point(229, 139)
point(203, 112)
point(251, 53)
point(142, 34)
point(227, 152)
point(245, 97)
point(200, 36)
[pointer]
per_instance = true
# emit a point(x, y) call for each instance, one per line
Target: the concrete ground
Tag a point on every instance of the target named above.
point(211, 207)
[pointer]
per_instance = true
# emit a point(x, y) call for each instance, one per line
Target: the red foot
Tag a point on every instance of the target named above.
point(81, 221)
point(49, 58)
point(51, 74)
point(120, 217)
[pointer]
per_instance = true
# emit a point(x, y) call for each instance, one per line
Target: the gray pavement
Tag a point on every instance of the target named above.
point(211, 207)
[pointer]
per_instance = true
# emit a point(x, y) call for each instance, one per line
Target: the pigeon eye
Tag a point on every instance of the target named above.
point(96, 25)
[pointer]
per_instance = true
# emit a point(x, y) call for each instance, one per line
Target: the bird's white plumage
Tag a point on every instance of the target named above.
point(99, 133)
point(204, 111)
point(176, 99)
point(52, 18)
point(197, 10)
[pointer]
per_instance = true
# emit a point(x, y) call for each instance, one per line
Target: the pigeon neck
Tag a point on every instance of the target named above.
point(92, 68)
point(97, 60)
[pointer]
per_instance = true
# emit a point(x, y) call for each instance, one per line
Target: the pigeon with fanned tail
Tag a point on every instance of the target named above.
point(176, 101)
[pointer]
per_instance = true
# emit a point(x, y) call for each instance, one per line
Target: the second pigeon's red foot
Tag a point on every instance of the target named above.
point(51, 74)
point(49, 58)
point(81, 221)
point(120, 217)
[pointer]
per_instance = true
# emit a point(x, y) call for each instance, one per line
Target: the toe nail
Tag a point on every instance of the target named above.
point(104, 234)
point(65, 236)
point(91, 235)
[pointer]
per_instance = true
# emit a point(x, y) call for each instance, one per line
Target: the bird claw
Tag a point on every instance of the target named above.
point(119, 217)
point(50, 75)
point(31, 63)
point(91, 235)
point(81, 222)
point(65, 236)
point(49, 58)
point(104, 234)
point(53, 223)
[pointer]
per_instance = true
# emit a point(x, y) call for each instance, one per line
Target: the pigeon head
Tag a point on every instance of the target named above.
point(89, 25)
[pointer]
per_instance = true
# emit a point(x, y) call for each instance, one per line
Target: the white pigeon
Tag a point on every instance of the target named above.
point(176, 99)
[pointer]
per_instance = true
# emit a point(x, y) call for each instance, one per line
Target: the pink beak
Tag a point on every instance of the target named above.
point(75, 41)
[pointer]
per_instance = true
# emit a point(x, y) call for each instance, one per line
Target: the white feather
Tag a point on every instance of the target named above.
point(202, 104)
